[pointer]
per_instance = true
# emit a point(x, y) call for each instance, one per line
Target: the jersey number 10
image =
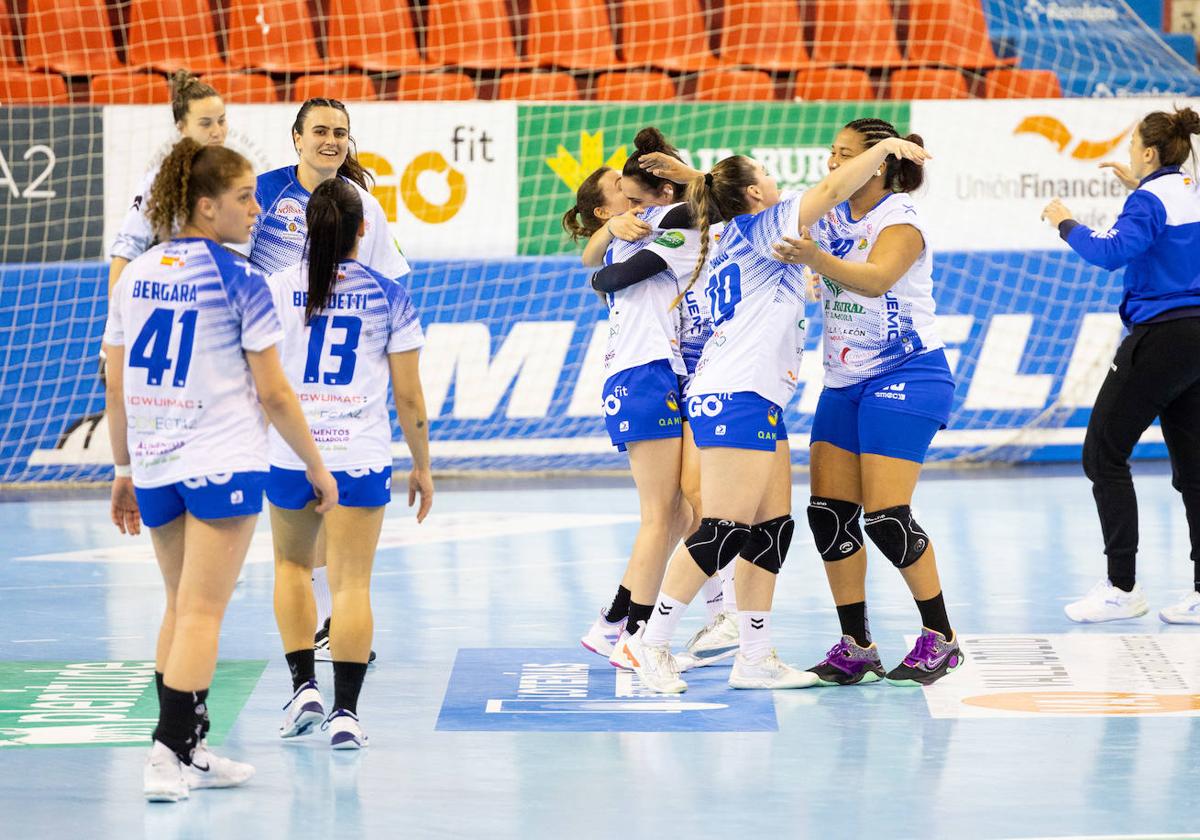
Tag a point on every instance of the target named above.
point(156, 337)
point(724, 292)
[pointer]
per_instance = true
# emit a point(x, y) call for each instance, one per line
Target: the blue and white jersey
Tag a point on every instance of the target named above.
point(643, 326)
point(186, 311)
point(277, 240)
point(869, 336)
point(338, 364)
point(757, 307)
point(136, 234)
point(695, 314)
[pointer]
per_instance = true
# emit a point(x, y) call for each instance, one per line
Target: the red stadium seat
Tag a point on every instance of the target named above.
point(858, 34)
point(734, 85)
point(372, 35)
point(470, 33)
point(576, 35)
point(1023, 84)
point(73, 38)
point(634, 86)
point(824, 83)
point(168, 35)
point(949, 32)
point(272, 35)
point(128, 89)
point(432, 87)
point(243, 88)
point(670, 34)
point(926, 83)
point(20, 87)
point(768, 34)
point(538, 86)
point(350, 87)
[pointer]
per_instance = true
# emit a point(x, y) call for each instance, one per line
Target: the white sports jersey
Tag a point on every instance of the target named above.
point(185, 311)
point(642, 325)
point(136, 234)
point(868, 336)
point(757, 308)
point(277, 241)
point(695, 313)
point(338, 364)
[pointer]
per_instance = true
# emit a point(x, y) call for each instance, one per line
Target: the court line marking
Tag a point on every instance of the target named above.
point(1113, 837)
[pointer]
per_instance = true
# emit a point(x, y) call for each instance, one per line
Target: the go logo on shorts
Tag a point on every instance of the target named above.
point(706, 406)
point(612, 402)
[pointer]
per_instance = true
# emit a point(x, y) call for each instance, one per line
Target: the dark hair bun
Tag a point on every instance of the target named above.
point(916, 138)
point(650, 139)
point(1187, 122)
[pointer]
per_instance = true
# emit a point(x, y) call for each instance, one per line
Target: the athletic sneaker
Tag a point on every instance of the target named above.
point(345, 732)
point(209, 770)
point(621, 656)
point(321, 651)
point(304, 712)
point(654, 665)
point(162, 777)
point(768, 672)
point(848, 663)
point(602, 635)
point(931, 658)
point(1186, 611)
point(713, 643)
point(1105, 602)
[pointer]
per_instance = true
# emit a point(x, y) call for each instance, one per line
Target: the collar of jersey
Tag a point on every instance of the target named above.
point(1158, 173)
point(850, 216)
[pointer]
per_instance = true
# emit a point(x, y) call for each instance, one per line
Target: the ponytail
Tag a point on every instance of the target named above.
point(333, 216)
point(186, 89)
point(1171, 134)
point(190, 172)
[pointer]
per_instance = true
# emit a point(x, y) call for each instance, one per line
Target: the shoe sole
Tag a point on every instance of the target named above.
point(350, 743)
point(762, 685)
point(866, 679)
point(304, 724)
point(1184, 622)
point(702, 660)
point(916, 684)
point(218, 785)
point(1105, 620)
point(596, 650)
point(164, 796)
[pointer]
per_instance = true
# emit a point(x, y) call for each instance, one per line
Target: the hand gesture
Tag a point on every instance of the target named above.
point(325, 486)
point(420, 482)
point(628, 226)
point(665, 166)
point(1056, 213)
point(906, 150)
point(1123, 172)
point(125, 513)
point(796, 251)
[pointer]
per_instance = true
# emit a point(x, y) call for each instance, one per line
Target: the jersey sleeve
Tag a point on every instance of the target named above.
point(679, 248)
point(406, 333)
point(1141, 221)
point(385, 256)
point(774, 223)
point(114, 326)
point(901, 211)
point(136, 234)
point(252, 303)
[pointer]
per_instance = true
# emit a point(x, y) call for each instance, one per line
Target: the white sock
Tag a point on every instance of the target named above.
point(755, 630)
point(727, 588)
point(664, 620)
point(714, 597)
point(321, 593)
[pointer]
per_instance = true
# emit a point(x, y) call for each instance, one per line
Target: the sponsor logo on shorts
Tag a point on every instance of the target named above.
point(612, 402)
point(672, 401)
point(707, 406)
point(624, 426)
point(773, 415)
point(893, 392)
point(236, 497)
point(719, 431)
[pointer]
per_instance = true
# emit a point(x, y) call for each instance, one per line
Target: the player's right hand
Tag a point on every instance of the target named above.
point(666, 166)
point(1123, 172)
point(906, 150)
point(125, 513)
point(628, 226)
point(325, 486)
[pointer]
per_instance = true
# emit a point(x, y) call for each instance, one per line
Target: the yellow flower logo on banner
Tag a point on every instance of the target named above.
point(573, 172)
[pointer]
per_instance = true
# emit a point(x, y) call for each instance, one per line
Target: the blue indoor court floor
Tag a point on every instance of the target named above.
point(488, 720)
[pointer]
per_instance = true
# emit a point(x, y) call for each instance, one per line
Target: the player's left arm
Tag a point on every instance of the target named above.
point(1141, 221)
point(893, 254)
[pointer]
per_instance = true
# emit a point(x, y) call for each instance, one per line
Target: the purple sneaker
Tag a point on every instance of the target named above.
point(931, 658)
point(847, 663)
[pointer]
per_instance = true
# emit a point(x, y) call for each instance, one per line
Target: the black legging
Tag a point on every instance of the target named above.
point(1156, 373)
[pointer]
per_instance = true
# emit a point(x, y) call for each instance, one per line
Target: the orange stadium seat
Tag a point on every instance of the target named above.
point(1022, 84)
point(671, 34)
point(431, 87)
point(8, 51)
point(243, 88)
point(832, 83)
point(349, 87)
point(634, 86)
point(734, 85)
point(372, 35)
point(539, 86)
point(927, 83)
point(768, 34)
point(576, 35)
point(20, 87)
point(128, 89)
point(272, 35)
point(949, 32)
point(73, 38)
point(858, 34)
point(169, 34)
point(470, 33)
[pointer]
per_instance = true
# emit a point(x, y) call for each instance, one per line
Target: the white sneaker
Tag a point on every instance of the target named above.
point(769, 672)
point(654, 665)
point(304, 712)
point(713, 643)
point(1186, 611)
point(345, 732)
point(621, 657)
point(162, 777)
point(209, 770)
point(602, 636)
point(1105, 602)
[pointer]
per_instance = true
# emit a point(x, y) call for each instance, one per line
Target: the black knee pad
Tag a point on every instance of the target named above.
point(768, 544)
point(897, 535)
point(715, 543)
point(835, 528)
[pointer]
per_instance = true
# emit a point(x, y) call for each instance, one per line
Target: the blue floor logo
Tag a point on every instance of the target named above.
point(569, 690)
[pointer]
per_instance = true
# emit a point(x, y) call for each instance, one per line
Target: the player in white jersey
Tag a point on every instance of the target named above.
point(888, 389)
point(185, 407)
point(746, 375)
point(347, 331)
point(321, 136)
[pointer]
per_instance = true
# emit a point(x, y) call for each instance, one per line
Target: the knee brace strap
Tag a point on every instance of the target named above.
point(715, 543)
point(897, 535)
point(768, 544)
point(835, 528)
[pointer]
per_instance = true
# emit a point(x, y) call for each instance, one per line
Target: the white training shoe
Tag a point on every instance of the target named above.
point(713, 643)
point(1105, 602)
point(304, 712)
point(1186, 611)
point(345, 732)
point(602, 636)
point(209, 770)
point(162, 777)
point(655, 666)
point(621, 657)
point(769, 672)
